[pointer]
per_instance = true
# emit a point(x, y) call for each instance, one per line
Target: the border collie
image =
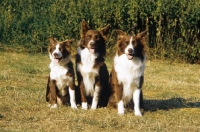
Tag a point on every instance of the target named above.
point(61, 82)
point(92, 73)
point(128, 71)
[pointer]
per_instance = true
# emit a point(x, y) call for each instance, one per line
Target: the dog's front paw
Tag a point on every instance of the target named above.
point(73, 106)
point(53, 106)
point(120, 113)
point(138, 113)
point(94, 106)
point(49, 105)
point(84, 106)
point(121, 108)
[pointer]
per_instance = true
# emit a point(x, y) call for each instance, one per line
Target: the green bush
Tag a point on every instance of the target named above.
point(173, 25)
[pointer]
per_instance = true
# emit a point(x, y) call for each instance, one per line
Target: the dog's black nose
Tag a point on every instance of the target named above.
point(55, 55)
point(130, 50)
point(91, 44)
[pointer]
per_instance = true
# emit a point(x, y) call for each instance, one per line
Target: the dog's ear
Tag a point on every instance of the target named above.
point(52, 41)
point(71, 41)
point(68, 44)
point(104, 31)
point(120, 33)
point(143, 35)
point(84, 27)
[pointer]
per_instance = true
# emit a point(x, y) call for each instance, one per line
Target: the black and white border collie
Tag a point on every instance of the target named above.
point(92, 73)
point(61, 81)
point(128, 71)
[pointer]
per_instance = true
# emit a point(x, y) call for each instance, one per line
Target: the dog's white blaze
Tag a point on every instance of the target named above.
point(120, 107)
point(72, 98)
point(87, 70)
point(136, 100)
point(128, 73)
point(130, 46)
point(95, 97)
point(84, 106)
point(91, 41)
point(57, 51)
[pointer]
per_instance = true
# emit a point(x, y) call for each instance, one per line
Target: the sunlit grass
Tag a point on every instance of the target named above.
point(171, 94)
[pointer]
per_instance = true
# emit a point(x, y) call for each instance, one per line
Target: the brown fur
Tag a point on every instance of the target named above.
point(117, 89)
point(52, 91)
point(99, 36)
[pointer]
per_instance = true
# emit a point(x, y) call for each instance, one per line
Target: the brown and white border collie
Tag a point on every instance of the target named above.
point(92, 73)
point(128, 70)
point(61, 83)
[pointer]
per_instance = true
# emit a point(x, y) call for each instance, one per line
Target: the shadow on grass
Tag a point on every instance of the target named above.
point(1, 116)
point(173, 103)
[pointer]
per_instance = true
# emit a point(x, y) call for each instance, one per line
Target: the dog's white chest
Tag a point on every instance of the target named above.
point(128, 71)
point(87, 70)
point(128, 74)
point(58, 73)
point(87, 60)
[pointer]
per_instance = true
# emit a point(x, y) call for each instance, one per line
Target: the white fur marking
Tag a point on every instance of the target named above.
point(136, 99)
point(91, 41)
point(58, 73)
point(72, 99)
point(121, 107)
point(130, 46)
point(84, 106)
point(57, 51)
point(95, 97)
point(128, 73)
point(87, 70)
point(53, 106)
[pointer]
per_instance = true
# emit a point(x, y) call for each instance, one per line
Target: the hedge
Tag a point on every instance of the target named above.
point(174, 25)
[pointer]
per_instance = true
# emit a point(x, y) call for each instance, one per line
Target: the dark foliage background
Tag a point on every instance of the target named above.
point(174, 25)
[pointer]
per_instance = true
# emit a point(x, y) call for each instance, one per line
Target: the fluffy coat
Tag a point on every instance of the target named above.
point(127, 74)
point(92, 73)
point(61, 81)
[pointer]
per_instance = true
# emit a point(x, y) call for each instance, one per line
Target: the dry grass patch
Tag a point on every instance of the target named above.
point(171, 93)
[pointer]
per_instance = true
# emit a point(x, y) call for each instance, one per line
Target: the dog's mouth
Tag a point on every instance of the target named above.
point(129, 56)
point(91, 50)
point(57, 60)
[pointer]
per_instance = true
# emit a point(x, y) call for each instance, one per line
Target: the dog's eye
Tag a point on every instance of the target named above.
point(88, 36)
point(97, 37)
point(134, 42)
point(127, 42)
point(52, 49)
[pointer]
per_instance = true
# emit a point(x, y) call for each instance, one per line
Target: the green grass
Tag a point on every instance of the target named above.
point(171, 93)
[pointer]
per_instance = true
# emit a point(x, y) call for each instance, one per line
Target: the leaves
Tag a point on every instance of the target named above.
point(29, 23)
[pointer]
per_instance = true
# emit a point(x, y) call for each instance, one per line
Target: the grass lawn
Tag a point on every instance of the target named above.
point(171, 94)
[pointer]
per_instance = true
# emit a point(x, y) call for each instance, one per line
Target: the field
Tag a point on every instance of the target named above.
point(171, 93)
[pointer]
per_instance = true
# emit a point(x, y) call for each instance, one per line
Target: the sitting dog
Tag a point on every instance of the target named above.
point(61, 82)
point(92, 73)
point(127, 74)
